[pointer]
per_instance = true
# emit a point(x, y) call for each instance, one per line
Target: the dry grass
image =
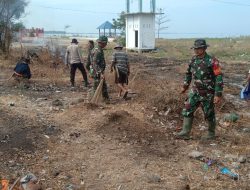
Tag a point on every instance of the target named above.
point(126, 124)
point(225, 49)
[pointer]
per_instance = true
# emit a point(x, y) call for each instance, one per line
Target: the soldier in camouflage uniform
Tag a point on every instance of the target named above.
point(206, 89)
point(98, 64)
point(90, 48)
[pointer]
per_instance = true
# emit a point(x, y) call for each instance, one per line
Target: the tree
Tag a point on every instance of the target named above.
point(16, 27)
point(160, 20)
point(120, 23)
point(10, 12)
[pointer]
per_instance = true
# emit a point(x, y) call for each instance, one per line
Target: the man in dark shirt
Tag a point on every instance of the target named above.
point(22, 69)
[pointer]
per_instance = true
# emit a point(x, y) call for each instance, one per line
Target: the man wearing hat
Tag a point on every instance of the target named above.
point(73, 57)
point(121, 65)
point(98, 64)
point(206, 90)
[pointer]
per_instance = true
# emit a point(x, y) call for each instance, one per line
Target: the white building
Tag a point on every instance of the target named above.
point(140, 28)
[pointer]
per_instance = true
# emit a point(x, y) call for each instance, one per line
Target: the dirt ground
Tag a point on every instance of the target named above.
point(53, 132)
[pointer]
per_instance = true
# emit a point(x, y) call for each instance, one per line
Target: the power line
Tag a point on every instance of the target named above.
point(232, 3)
point(75, 10)
point(192, 33)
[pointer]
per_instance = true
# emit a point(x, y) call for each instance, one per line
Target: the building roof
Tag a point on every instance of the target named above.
point(142, 13)
point(106, 25)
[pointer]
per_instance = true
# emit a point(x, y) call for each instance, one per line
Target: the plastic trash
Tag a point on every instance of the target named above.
point(245, 92)
point(27, 180)
point(28, 177)
point(4, 184)
point(232, 117)
point(205, 167)
point(227, 172)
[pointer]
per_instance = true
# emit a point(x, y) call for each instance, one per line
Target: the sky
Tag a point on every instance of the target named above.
point(187, 18)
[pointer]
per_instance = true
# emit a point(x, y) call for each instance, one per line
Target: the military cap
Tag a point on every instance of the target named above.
point(200, 43)
point(103, 39)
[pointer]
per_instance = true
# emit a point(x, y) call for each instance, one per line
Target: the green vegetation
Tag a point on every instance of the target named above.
point(120, 23)
point(10, 13)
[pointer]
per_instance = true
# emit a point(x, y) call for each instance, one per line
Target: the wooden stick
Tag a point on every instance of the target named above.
point(135, 75)
point(6, 80)
point(14, 184)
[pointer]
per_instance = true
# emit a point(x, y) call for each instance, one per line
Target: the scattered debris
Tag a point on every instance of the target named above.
point(12, 104)
point(28, 182)
point(195, 154)
point(228, 172)
point(224, 170)
point(242, 159)
point(153, 178)
point(75, 134)
point(51, 130)
point(57, 102)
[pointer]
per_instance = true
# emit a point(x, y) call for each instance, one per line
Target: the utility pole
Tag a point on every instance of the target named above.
point(160, 20)
point(65, 28)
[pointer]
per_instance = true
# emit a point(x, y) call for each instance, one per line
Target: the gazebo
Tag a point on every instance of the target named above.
point(104, 26)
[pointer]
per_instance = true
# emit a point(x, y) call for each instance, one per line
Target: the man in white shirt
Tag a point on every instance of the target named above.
point(74, 58)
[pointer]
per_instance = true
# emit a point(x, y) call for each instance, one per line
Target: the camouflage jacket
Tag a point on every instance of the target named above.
point(98, 60)
point(89, 58)
point(207, 75)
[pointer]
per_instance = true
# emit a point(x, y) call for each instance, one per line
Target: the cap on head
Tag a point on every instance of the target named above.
point(118, 46)
point(102, 39)
point(200, 43)
point(91, 42)
point(74, 41)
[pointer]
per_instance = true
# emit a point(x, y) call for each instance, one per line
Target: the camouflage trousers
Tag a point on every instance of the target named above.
point(194, 100)
point(105, 94)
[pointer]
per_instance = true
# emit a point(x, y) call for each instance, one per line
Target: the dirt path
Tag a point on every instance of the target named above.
point(67, 143)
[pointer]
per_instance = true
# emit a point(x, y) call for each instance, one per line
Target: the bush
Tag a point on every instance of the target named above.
point(120, 40)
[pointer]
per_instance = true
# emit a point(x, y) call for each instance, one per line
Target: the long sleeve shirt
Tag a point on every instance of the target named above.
point(206, 73)
point(98, 60)
point(89, 58)
point(73, 54)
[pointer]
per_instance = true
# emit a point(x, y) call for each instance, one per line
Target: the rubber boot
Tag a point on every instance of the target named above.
point(211, 130)
point(187, 126)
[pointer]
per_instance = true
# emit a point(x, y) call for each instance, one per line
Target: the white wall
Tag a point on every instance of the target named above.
point(145, 24)
point(147, 32)
point(132, 24)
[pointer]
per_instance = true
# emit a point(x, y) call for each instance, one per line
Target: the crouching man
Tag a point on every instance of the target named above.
point(22, 71)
